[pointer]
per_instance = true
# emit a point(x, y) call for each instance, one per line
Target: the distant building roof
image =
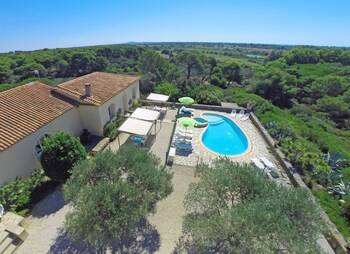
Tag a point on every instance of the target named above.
point(27, 108)
point(104, 86)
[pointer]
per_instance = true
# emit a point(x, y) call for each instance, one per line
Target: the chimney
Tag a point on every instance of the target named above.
point(88, 92)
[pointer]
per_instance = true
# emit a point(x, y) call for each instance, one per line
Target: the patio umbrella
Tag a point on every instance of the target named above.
point(187, 121)
point(186, 100)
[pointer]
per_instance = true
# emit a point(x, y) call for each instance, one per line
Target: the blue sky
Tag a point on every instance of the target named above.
point(36, 24)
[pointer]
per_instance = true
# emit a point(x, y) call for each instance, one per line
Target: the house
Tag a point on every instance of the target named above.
point(31, 112)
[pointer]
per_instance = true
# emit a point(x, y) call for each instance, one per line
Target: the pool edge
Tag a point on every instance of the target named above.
point(247, 151)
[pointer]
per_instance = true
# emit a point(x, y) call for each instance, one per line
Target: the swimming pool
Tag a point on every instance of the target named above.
point(223, 136)
point(201, 122)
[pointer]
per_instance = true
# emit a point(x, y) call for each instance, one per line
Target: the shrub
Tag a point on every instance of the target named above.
point(61, 152)
point(208, 98)
point(16, 195)
point(110, 129)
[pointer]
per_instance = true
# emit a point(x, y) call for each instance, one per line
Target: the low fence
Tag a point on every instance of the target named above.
point(335, 238)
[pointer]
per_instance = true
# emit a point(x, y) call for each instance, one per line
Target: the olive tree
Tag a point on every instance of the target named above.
point(233, 208)
point(61, 151)
point(112, 192)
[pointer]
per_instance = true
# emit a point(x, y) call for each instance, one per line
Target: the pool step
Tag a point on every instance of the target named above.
point(217, 122)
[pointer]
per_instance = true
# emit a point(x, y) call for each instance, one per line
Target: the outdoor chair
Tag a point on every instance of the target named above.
point(138, 140)
point(1, 211)
point(184, 147)
point(182, 140)
point(160, 109)
point(245, 117)
point(187, 109)
point(179, 129)
point(183, 135)
point(268, 163)
point(233, 113)
point(241, 113)
point(272, 167)
point(256, 162)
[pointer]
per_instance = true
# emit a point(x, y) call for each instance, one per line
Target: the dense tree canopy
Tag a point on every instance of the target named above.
point(234, 209)
point(112, 192)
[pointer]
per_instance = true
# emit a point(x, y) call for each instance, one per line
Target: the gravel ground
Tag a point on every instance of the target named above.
point(168, 219)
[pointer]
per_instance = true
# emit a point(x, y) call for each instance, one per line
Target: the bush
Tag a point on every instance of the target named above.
point(16, 195)
point(110, 129)
point(61, 152)
point(208, 98)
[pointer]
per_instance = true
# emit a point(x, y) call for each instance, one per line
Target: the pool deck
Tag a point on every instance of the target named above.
point(257, 147)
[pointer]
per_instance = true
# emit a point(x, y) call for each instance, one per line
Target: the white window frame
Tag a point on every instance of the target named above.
point(112, 115)
point(38, 146)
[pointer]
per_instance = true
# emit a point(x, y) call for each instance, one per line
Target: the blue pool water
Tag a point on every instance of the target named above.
point(223, 136)
point(200, 120)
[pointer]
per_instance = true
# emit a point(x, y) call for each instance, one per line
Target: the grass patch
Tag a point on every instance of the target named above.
point(334, 211)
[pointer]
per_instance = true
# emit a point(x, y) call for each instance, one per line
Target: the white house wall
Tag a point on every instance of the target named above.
point(20, 160)
point(118, 101)
point(90, 119)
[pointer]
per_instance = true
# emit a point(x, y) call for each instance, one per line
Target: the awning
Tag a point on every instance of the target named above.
point(158, 97)
point(145, 114)
point(136, 127)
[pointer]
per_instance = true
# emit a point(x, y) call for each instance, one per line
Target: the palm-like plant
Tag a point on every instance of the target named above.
point(335, 160)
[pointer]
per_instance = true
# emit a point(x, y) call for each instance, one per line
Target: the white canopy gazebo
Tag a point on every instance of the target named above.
point(146, 115)
point(135, 127)
point(158, 97)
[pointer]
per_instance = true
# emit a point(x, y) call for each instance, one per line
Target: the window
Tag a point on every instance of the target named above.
point(134, 92)
point(112, 111)
point(130, 102)
point(39, 148)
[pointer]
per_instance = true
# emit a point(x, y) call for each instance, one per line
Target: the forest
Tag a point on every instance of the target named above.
point(300, 94)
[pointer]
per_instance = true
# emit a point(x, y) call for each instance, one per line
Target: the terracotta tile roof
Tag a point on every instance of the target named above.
point(104, 86)
point(27, 108)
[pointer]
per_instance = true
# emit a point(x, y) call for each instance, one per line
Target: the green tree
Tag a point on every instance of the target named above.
point(191, 61)
point(61, 151)
point(275, 85)
point(112, 192)
point(168, 89)
point(233, 208)
point(231, 72)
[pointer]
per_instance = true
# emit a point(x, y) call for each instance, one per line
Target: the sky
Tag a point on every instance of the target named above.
point(37, 24)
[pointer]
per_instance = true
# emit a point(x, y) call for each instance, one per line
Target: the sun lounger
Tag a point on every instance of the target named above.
point(182, 140)
point(187, 109)
point(160, 109)
point(241, 113)
point(268, 164)
point(245, 117)
point(1, 211)
point(184, 147)
point(183, 135)
point(233, 113)
point(258, 164)
point(184, 130)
